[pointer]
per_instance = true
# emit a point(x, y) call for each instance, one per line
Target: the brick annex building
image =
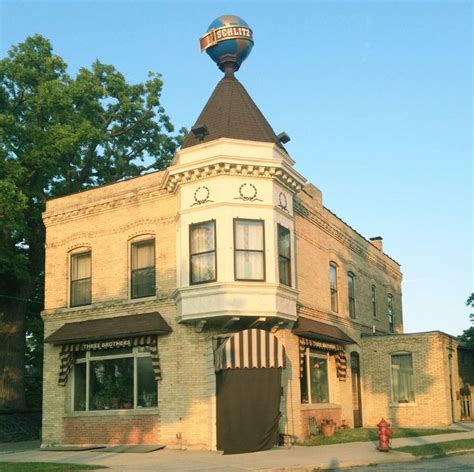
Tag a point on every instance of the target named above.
point(218, 303)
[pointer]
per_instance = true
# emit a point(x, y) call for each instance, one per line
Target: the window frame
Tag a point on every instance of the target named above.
point(134, 243)
point(262, 251)
point(135, 354)
point(392, 393)
point(374, 301)
point(287, 259)
point(333, 291)
point(191, 226)
point(351, 298)
point(72, 255)
point(316, 354)
point(390, 313)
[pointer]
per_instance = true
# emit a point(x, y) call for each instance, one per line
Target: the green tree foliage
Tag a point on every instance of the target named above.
point(467, 336)
point(58, 135)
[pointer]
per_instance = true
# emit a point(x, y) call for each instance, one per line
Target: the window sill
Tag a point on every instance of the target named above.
point(320, 406)
point(402, 405)
point(96, 413)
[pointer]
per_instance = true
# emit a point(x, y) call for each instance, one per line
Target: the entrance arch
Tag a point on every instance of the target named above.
point(248, 388)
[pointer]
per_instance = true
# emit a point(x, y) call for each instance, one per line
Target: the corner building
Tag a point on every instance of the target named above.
point(218, 304)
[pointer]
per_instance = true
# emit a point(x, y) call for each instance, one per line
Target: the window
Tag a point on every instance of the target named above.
point(374, 301)
point(249, 254)
point(315, 379)
point(143, 269)
point(402, 378)
point(114, 379)
point(284, 255)
point(202, 243)
point(80, 279)
point(390, 312)
point(333, 285)
point(351, 295)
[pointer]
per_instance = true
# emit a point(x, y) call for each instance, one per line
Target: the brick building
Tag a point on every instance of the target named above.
point(223, 286)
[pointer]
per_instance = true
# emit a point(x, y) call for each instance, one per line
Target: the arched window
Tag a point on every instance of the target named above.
point(403, 390)
point(374, 301)
point(390, 312)
point(80, 278)
point(333, 285)
point(351, 294)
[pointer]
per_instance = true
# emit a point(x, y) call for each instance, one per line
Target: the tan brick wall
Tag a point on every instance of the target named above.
point(432, 406)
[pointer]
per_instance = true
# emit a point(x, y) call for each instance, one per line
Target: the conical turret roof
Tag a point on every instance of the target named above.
point(231, 113)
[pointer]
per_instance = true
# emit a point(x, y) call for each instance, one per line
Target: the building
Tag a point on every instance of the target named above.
point(218, 304)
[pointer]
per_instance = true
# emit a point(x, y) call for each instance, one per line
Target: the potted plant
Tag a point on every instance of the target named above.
point(328, 427)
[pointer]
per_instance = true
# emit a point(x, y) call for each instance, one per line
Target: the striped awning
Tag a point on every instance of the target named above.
point(252, 348)
point(68, 351)
point(333, 348)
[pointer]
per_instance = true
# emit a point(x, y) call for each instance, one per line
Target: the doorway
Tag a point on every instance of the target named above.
point(356, 396)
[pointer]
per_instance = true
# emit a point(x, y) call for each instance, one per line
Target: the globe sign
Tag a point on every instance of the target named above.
point(228, 39)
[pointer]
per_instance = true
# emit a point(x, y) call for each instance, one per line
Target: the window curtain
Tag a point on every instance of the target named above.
point(249, 238)
point(143, 255)
point(249, 235)
point(203, 252)
point(81, 266)
point(202, 238)
point(402, 378)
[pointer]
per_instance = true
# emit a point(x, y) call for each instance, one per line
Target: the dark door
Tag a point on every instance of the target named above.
point(356, 399)
point(248, 409)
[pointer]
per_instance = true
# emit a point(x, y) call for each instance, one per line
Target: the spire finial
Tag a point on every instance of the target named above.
point(228, 42)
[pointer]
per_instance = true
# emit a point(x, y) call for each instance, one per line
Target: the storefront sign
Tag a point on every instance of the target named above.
point(225, 32)
point(116, 344)
point(325, 346)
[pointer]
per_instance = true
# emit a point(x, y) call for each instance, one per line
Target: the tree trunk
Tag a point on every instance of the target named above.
point(12, 354)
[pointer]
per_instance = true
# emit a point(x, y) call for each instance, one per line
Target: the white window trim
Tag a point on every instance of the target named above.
point(86, 360)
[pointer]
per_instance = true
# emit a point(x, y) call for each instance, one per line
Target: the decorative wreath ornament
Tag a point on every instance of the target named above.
point(282, 201)
point(201, 195)
point(248, 193)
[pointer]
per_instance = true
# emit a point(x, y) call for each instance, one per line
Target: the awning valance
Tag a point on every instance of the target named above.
point(129, 326)
point(320, 331)
point(108, 333)
point(252, 348)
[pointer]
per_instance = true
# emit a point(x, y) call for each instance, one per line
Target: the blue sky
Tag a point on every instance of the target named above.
point(376, 96)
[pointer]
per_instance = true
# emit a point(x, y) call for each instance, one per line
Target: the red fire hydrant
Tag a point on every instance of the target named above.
point(384, 433)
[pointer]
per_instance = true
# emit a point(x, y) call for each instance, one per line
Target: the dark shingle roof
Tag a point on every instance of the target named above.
point(231, 113)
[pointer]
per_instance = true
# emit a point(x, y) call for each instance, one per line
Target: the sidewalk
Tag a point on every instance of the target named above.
point(296, 459)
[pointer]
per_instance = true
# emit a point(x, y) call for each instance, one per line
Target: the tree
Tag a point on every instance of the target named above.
point(58, 135)
point(467, 336)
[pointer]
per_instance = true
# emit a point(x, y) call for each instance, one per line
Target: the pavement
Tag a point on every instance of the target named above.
point(295, 459)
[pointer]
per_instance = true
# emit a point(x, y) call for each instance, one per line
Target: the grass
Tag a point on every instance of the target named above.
point(369, 434)
point(44, 467)
point(438, 449)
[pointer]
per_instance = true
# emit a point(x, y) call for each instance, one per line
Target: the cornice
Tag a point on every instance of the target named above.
point(279, 171)
point(104, 205)
point(331, 230)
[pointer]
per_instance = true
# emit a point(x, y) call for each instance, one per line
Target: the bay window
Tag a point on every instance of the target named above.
point(315, 378)
point(284, 255)
point(80, 291)
point(402, 378)
point(114, 379)
point(202, 243)
point(143, 269)
point(249, 250)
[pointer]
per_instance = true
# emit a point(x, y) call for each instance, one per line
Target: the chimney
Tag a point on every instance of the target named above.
point(377, 241)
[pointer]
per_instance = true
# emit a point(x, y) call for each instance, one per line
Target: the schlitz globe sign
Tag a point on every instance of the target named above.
point(228, 39)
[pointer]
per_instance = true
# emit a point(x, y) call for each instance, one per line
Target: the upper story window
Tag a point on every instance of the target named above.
point(333, 285)
point(80, 279)
point(249, 250)
point(143, 269)
point(390, 312)
point(284, 255)
point(351, 294)
point(315, 378)
point(202, 243)
point(402, 378)
point(374, 301)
